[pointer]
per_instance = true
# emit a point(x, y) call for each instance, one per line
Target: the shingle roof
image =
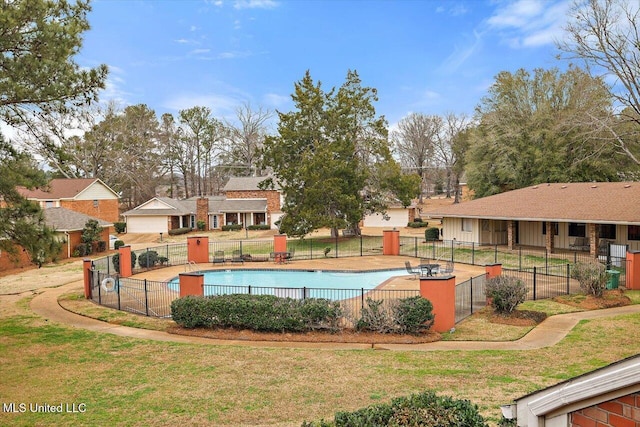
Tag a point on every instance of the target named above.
point(243, 205)
point(60, 188)
point(62, 219)
point(588, 202)
point(244, 183)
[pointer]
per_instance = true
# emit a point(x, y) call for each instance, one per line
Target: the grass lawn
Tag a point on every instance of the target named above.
point(126, 381)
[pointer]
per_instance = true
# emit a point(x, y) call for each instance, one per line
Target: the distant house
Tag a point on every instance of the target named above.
point(89, 196)
point(243, 203)
point(554, 216)
point(69, 224)
point(609, 396)
point(395, 216)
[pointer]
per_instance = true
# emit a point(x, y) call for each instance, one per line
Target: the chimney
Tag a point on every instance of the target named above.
point(202, 211)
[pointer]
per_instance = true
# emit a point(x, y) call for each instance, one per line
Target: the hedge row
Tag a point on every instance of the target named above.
point(178, 231)
point(412, 315)
point(421, 409)
point(256, 312)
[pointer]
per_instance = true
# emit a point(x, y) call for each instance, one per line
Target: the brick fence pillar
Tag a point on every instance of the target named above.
point(390, 242)
point(441, 291)
point(198, 249)
point(86, 269)
point(125, 261)
point(191, 284)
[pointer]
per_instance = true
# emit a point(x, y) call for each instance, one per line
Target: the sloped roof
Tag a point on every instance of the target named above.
point(62, 219)
point(173, 207)
point(62, 188)
point(244, 183)
point(588, 202)
point(243, 205)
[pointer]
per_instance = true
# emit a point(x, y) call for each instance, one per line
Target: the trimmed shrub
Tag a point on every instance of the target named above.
point(421, 409)
point(178, 231)
point(414, 315)
point(201, 225)
point(409, 315)
point(431, 234)
point(115, 260)
point(592, 277)
point(102, 246)
point(376, 317)
point(148, 259)
point(257, 312)
point(505, 293)
point(118, 244)
point(259, 227)
point(83, 249)
point(417, 224)
point(191, 312)
point(231, 227)
point(120, 227)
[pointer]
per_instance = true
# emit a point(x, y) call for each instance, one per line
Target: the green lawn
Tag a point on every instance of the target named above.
point(126, 381)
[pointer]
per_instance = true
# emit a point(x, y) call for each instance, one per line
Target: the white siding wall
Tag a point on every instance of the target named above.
point(96, 191)
point(147, 224)
point(452, 229)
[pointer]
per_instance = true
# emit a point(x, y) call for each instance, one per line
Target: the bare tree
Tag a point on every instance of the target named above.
point(244, 139)
point(605, 34)
point(444, 151)
point(414, 143)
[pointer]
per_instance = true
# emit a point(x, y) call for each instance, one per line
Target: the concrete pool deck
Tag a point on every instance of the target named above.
point(66, 278)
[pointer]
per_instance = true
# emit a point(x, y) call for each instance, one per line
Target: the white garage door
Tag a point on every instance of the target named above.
point(147, 224)
point(394, 218)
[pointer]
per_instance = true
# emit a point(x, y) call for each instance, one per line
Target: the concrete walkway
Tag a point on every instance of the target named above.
point(548, 333)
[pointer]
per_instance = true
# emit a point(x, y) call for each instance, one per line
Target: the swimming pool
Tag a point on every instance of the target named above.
point(292, 283)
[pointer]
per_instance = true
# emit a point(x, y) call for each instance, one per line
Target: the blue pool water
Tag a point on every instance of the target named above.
point(320, 284)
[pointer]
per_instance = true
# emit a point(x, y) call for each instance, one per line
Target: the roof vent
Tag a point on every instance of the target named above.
point(594, 186)
point(564, 186)
point(627, 186)
point(535, 187)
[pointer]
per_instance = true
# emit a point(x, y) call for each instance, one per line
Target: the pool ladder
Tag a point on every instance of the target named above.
point(191, 266)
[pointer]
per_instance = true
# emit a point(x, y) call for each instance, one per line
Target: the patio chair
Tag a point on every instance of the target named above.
point(218, 257)
point(447, 269)
point(289, 256)
point(580, 244)
point(410, 269)
point(236, 256)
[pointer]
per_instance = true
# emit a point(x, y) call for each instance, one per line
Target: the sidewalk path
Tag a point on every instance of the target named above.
point(548, 333)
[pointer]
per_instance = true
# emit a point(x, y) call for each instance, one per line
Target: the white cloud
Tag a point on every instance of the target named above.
point(460, 54)
point(255, 4)
point(113, 86)
point(275, 100)
point(220, 105)
point(530, 23)
point(199, 51)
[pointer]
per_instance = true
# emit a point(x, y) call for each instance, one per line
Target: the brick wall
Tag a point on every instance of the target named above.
point(273, 197)
point(202, 211)
point(106, 209)
point(621, 412)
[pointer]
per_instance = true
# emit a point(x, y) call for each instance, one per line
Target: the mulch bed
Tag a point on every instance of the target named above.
point(610, 298)
point(344, 336)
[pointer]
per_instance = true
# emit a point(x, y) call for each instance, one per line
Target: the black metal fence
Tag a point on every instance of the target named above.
point(546, 274)
point(146, 297)
point(470, 297)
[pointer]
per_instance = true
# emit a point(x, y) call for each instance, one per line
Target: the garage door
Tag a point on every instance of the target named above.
point(147, 224)
point(394, 218)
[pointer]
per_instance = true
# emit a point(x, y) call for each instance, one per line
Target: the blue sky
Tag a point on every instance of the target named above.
point(432, 57)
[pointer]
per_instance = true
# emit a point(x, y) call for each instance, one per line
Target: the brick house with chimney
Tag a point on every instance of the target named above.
point(243, 203)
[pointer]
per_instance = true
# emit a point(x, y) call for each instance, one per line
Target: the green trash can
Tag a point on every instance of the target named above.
point(614, 279)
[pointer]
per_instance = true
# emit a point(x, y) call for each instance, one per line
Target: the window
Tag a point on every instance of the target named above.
point(48, 204)
point(554, 225)
point(633, 232)
point(215, 221)
point(577, 229)
point(95, 203)
point(607, 231)
point(467, 224)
